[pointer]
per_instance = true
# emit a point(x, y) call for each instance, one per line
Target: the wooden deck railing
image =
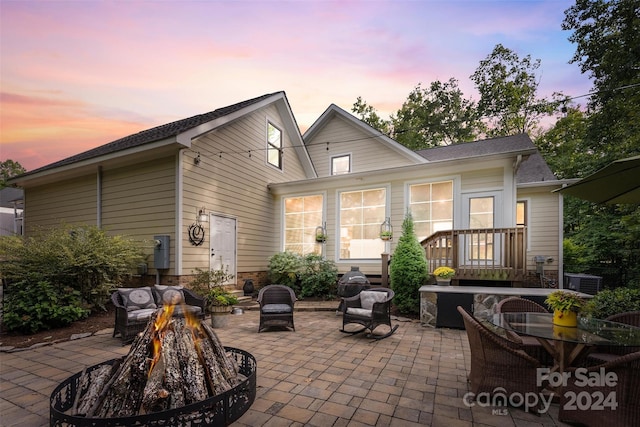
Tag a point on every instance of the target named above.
point(480, 254)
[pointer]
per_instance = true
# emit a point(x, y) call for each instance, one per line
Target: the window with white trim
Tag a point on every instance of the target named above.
point(274, 146)
point(302, 215)
point(431, 206)
point(341, 164)
point(361, 213)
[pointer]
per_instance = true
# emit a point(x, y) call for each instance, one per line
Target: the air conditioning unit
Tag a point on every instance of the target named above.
point(584, 283)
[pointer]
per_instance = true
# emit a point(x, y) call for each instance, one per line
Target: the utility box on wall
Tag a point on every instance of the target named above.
point(161, 252)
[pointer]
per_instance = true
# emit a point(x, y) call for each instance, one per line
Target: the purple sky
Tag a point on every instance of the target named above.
point(78, 74)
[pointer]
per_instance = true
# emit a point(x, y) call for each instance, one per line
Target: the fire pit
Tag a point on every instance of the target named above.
point(177, 373)
point(219, 410)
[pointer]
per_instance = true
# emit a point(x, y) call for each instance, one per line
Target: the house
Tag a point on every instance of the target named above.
point(11, 211)
point(229, 188)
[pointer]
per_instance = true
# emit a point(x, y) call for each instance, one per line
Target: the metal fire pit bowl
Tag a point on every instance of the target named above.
point(220, 410)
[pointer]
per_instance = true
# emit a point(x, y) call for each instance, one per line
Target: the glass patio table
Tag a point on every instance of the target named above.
point(563, 343)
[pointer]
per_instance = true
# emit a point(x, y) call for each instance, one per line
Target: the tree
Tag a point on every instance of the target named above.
point(9, 169)
point(508, 86)
point(607, 35)
point(439, 115)
point(369, 115)
point(408, 269)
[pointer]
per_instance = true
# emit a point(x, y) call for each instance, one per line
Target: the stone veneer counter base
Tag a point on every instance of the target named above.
point(485, 299)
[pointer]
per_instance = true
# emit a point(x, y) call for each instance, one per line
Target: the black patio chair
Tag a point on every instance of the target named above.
point(370, 308)
point(276, 306)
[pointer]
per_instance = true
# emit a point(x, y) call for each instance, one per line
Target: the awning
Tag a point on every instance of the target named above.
point(619, 182)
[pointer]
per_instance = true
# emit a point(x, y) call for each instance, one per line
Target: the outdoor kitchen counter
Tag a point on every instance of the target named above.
point(438, 303)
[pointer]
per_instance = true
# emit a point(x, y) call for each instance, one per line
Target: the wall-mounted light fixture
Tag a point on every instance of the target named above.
point(202, 216)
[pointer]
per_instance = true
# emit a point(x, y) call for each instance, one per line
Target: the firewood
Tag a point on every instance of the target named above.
point(194, 385)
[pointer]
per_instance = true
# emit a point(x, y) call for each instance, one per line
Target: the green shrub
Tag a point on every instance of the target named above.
point(408, 270)
point(318, 277)
point(83, 258)
point(613, 301)
point(284, 268)
point(36, 306)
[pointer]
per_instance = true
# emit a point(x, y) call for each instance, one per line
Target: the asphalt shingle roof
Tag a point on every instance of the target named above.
point(151, 135)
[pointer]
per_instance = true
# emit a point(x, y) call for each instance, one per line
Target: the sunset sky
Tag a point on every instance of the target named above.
point(78, 74)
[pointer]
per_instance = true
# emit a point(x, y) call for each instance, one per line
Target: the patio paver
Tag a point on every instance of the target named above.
point(315, 376)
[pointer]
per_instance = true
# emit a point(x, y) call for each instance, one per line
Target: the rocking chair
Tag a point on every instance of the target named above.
point(370, 309)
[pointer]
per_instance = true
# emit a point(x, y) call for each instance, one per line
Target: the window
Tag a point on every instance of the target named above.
point(301, 217)
point(431, 206)
point(274, 146)
point(521, 213)
point(361, 213)
point(481, 216)
point(341, 164)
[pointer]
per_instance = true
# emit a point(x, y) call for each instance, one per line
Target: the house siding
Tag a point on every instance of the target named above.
point(543, 226)
point(140, 202)
point(367, 153)
point(233, 182)
point(70, 202)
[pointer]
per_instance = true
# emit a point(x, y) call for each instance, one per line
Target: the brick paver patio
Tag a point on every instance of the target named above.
point(315, 376)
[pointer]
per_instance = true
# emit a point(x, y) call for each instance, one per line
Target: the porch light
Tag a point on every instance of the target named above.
point(202, 216)
point(386, 230)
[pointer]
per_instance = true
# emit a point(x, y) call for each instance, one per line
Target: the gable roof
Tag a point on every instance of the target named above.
point(333, 110)
point(188, 128)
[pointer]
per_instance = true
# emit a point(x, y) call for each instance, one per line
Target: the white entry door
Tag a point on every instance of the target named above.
point(223, 243)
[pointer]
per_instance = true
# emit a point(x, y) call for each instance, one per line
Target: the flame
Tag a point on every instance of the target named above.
point(161, 324)
point(159, 328)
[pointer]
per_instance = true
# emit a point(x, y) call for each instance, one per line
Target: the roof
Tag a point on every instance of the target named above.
point(333, 110)
point(532, 169)
point(9, 195)
point(157, 133)
point(516, 143)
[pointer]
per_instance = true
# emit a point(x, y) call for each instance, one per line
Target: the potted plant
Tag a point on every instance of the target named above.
point(386, 235)
point(444, 275)
point(219, 302)
point(321, 237)
point(209, 284)
point(566, 306)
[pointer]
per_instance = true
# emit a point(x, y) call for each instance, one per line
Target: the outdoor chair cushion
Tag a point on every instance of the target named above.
point(168, 294)
point(141, 315)
point(137, 298)
point(179, 310)
point(276, 308)
point(360, 311)
point(368, 298)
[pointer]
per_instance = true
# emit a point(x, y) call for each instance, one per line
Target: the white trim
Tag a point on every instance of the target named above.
point(179, 213)
point(294, 195)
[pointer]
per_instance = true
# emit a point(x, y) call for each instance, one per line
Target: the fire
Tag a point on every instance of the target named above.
point(161, 325)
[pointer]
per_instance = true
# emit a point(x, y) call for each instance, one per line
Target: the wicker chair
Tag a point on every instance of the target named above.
point(129, 323)
point(626, 391)
point(370, 308)
point(608, 353)
point(530, 345)
point(498, 364)
point(276, 306)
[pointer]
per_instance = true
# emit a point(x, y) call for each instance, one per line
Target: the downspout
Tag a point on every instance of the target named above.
point(516, 164)
point(99, 198)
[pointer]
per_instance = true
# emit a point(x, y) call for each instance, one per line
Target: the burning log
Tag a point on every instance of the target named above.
point(172, 363)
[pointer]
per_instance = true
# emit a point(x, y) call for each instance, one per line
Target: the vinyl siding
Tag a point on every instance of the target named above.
point(482, 180)
point(70, 202)
point(543, 226)
point(140, 202)
point(367, 152)
point(230, 181)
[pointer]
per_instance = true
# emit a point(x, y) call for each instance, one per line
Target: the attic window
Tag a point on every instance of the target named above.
point(341, 164)
point(274, 146)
